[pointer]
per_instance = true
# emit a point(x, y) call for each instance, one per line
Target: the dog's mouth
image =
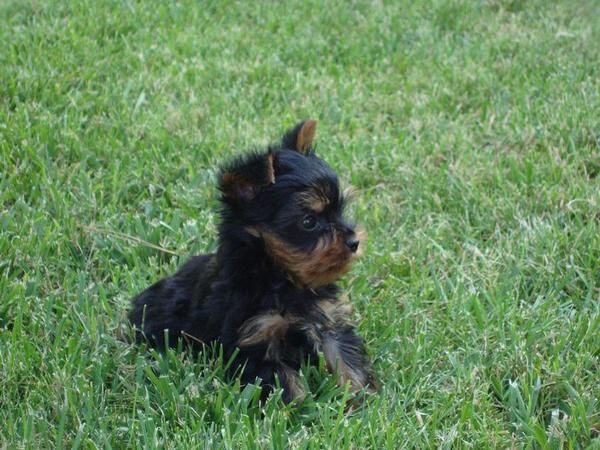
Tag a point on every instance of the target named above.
point(326, 263)
point(328, 274)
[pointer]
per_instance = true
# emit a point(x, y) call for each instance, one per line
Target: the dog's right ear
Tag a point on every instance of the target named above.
point(245, 177)
point(300, 138)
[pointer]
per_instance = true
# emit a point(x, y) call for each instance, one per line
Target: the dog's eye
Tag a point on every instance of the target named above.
point(309, 222)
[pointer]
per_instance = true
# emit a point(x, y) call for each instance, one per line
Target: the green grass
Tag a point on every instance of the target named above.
point(471, 130)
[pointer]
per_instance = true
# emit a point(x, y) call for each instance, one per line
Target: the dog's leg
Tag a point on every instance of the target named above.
point(346, 357)
point(260, 343)
point(268, 374)
point(290, 383)
point(336, 338)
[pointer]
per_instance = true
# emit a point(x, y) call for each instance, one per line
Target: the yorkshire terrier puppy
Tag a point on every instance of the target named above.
point(268, 292)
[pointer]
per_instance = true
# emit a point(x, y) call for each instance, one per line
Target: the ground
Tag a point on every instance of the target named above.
point(470, 131)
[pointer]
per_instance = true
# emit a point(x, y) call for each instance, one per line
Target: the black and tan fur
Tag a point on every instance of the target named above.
point(268, 292)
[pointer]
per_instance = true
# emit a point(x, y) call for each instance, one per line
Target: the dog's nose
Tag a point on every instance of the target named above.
point(352, 244)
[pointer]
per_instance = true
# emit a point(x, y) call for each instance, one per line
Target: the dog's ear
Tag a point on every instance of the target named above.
point(300, 138)
point(243, 180)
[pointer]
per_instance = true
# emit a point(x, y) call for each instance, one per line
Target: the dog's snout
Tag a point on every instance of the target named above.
point(352, 244)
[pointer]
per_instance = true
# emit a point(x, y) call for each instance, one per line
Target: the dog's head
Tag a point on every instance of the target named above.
point(291, 200)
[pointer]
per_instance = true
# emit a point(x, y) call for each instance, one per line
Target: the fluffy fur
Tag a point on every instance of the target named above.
point(269, 290)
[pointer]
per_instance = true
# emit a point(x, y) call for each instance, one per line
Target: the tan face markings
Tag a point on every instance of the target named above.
point(262, 328)
point(314, 199)
point(327, 262)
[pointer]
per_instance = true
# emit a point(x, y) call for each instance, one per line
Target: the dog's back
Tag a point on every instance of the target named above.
point(169, 309)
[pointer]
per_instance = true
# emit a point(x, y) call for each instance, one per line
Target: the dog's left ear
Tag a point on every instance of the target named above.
point(243, 180)
point(300, 138)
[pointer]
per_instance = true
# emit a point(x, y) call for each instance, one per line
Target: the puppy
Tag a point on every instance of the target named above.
point(268, 294)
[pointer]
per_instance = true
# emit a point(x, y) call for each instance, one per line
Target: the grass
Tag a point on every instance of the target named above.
point(471, 130)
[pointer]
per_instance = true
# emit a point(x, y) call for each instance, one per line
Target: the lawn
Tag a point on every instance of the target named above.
point(470, 131)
